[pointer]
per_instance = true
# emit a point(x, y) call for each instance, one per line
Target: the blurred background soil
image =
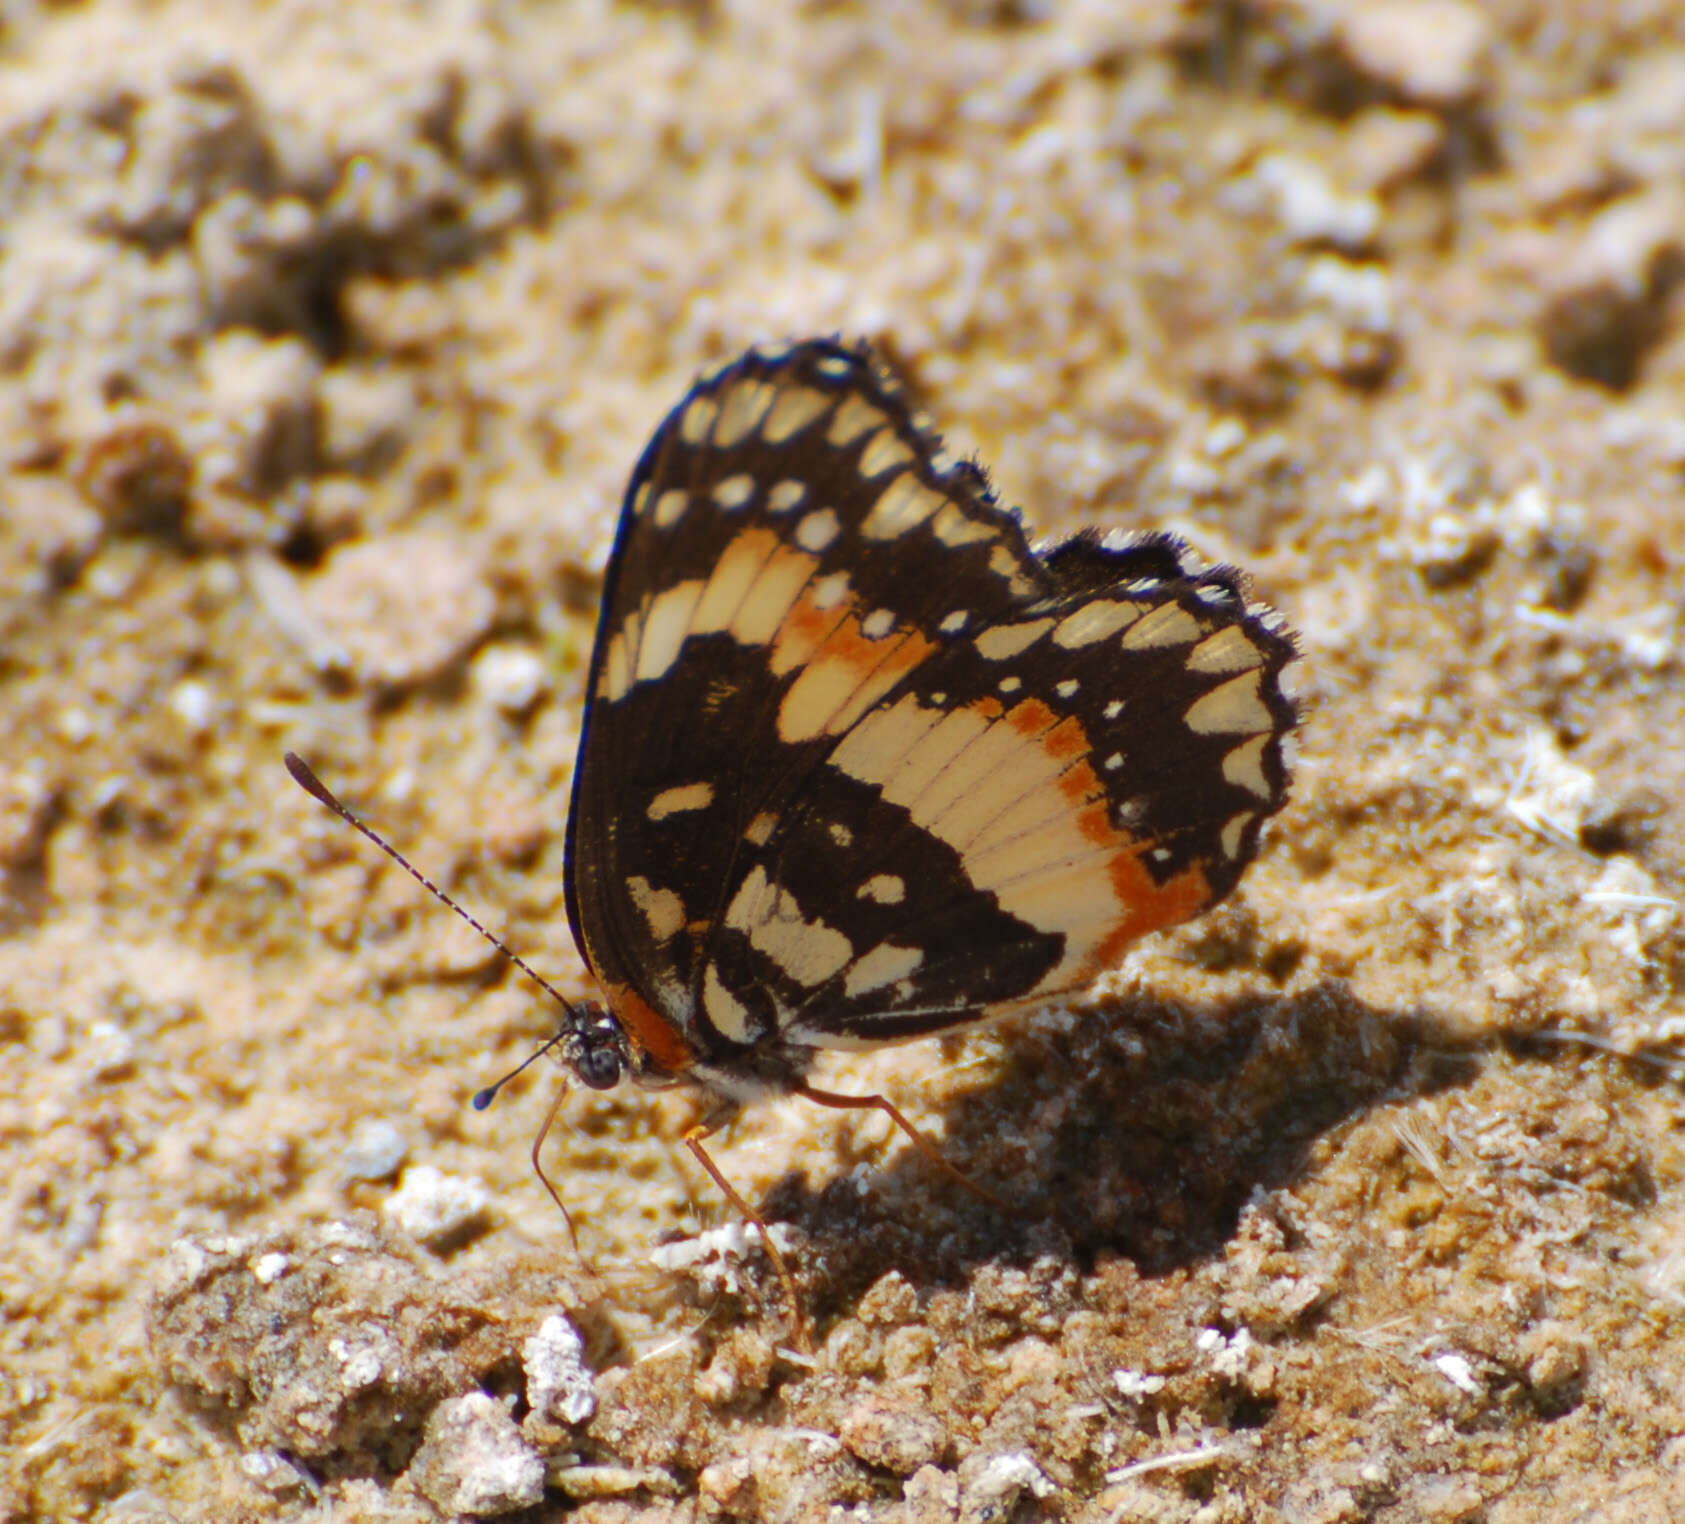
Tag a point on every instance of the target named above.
point(328, 336)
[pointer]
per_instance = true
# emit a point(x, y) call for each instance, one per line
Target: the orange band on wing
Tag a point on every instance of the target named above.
point(650, 1030)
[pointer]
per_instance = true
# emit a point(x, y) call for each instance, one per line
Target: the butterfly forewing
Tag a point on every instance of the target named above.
point(858, 762)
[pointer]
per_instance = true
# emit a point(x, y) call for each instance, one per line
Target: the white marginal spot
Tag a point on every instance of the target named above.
point(728, 1014)
point(1113, 709)
point(877, 624)
point(670, 506)
point(855, 417)
point(1168, 625)
point(1229, 650)
point(808, 952)
point(665, 626)
point(829, 591)
point(734, 491)
point(676, 801)
point(1234, 833)
point(640, 499)
point(884, 964)
point(759, 830)
point(662, 909)
point(1010, 684)
point(817, 530)
point(953, 623)
point(939, 698)
point(785, 495)
point(885, 888)
point(1094, 621)
point(1113, 762)
point(1001, 641)
point(795, 409)
point(1244, 767)
point(885, 452)
point(1234, 708)
point(841, 834)
point(903, 505)
point(836, 367)
point(699, 418)
point(1068, 688)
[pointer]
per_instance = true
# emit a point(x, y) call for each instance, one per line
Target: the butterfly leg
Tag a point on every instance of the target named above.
point(925, 1146)
point(693, 1140)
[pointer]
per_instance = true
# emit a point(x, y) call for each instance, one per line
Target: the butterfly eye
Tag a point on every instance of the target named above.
point(598, 1068)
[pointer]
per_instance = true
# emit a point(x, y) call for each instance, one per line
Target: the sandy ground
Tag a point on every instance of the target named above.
point(329, 334)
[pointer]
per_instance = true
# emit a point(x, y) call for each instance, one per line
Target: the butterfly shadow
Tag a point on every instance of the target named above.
point(1140, 1129)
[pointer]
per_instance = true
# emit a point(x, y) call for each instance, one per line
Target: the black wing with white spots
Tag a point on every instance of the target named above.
point(860, 764)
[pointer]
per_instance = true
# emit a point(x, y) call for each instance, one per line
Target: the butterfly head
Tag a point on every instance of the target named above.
point(595, 1047)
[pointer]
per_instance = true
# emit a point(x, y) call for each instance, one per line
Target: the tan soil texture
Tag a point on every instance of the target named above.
point(329, 334)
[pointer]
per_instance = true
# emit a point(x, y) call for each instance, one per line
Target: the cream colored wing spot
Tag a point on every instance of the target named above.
point(616, 676)
point(1244, 767)
point(884, 964)
point(680, 800)
point(817, 530)
point(663, 911)
point(1010, 570)
point(1094, 621)
point(878, 623)
point(1067, 688)
point(698, 419)
point(903, 505)
point(879, 744)
point(1168, 625)
point(1006, 762)
point(1113, 709)
point(640, 499)
point(1010, 684)
point(1229, 650)
point(735, 572)
point(855, 417)
point(953, 623)
point(1113, 762)
point(741, 412)
point(884, 888)
point(786, 495)
point(836, 367)
point(734, 491)
point(884, 453)
point(844, 678)
point(665, 625)
point(775, 591)
point(954, 527)
point(728, 1014)
point(759, 830)
point(840, 834)
point(1234, 833)
point(807, 951)
point(1233, 708)
point(1001, 641)
point(670, 507)
point(795, 409)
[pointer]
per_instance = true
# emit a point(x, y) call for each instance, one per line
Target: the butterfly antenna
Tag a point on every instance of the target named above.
point(320, 792)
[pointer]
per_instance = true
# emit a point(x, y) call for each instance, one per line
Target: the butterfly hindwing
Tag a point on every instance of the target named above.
point(859, 763)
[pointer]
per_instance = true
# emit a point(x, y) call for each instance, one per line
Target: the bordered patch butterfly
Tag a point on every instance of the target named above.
point(861, 764)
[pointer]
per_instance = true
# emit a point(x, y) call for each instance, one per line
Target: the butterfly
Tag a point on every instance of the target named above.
point(861, 764)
